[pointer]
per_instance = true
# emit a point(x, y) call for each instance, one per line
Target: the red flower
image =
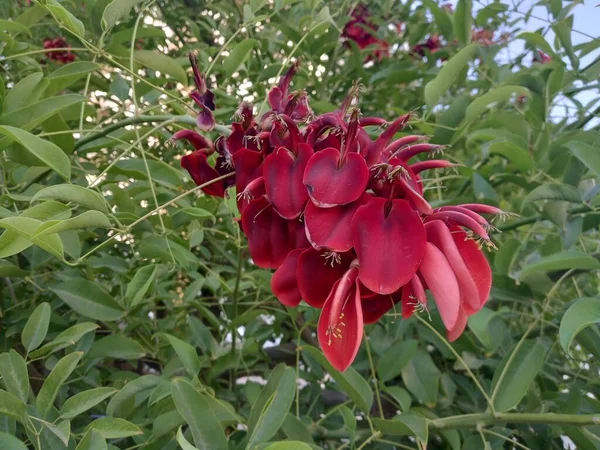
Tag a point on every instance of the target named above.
point(542, 57)
point(361, 30)
point(342, 217)
point(62, 56)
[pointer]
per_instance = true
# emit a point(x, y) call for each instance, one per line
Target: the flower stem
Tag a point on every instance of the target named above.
point(472, 420)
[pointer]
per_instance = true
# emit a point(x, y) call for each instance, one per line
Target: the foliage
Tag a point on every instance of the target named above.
point(130, 314)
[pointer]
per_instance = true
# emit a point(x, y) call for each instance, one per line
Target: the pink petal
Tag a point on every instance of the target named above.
point(437, 273)
point(476, 262)
point(439, 235)
point(340, 326)
point(330, 227)
point(283, 283)
point(283, 180)
point(330, 184)
point(389, 245)
point(316, 274)
point(458, 329)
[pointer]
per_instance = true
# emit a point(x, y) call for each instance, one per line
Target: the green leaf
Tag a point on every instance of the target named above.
point(494, 96)
point(55, 380)
point(14, 374)
point(161, 62)
point(441, 17)
point(422, 378)
point(11, 405)
point(288, 445)
point(93, 440)
point(132, 395)
point(448, 75)
point(65, 18)
point(83, 401)
point(406, 424)
point(394, 359)
point(8, 269)
point(582, 313)
point(115, 428)
point(237, 57)
point(553, 191)
point(116, 346)
point(68, 337)
point(47, 153)
point(73, 193)
point(271, 408)
point(205, 428)
point(8, 441)
point(186, 353)
point(68, 74)
point(350, 381)
point(23, 93)
point(463, 21)
point(31, 116)
point(89, 300)
point(88, 219)
point(537, 40)
point(62, 430)
point(519, 156)
point(295, 429)
point(140, 284)
point(36, 327)
point(13, 27)
point(516, 372)
point(564, 260)
point(563, 33)
point(587, 154)
point(181, 440)
point(25, 228)
point(116, 11)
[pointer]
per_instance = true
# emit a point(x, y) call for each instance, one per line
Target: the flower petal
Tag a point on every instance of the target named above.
point(267, 233)
point(341, 326)
point(330, 184)
point(196, 164)
point(316, 274)
point(330, 227)
point(375, 307)
point(458, 329)
point(389, 246)
point(283, 180)
point(283, 283)
point(439, 235)
point(441, 281)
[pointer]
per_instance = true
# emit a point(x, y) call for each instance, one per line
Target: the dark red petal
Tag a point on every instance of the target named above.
point(196, 164)
point(441, 281)
point(316, 274)
point(375, 307)
point(330, 227)
point(267, 233)
point(476, 262)
point(275, 99)
point(439, 235)
point(329, 184)
point(458, 218)
point(431, 164)
point(283, 283)
point(401, 142)
point(193, 138)
point(389, 246)
point(461, 323)
point(341, 325)
point(247, 167)
point(407, 153)
point(297, 234)
point(283, 174)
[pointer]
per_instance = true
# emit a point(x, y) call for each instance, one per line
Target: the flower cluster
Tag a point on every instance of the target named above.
point(361, 30)
point(342, 217)
point(63, 56)
point(541, 57)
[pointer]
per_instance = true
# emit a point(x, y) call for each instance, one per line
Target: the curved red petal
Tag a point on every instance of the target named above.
point(330, 227)
point(389, 246)
point(329, 184)
point(283, 283)
point(441, 281)
point(316, 274)
point(283, 174)
point(476, 262)
point(196, 164)
point(458, 329)
point(267, 233)
point(341, 325)
point(198, 141)
point(439, 235)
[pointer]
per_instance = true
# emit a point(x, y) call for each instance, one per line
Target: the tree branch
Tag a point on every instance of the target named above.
point(473, 420)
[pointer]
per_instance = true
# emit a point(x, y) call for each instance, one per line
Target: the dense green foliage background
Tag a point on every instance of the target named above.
point(130, 314)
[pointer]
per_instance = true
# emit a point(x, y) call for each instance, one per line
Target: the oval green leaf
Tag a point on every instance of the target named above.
point(582, 313)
